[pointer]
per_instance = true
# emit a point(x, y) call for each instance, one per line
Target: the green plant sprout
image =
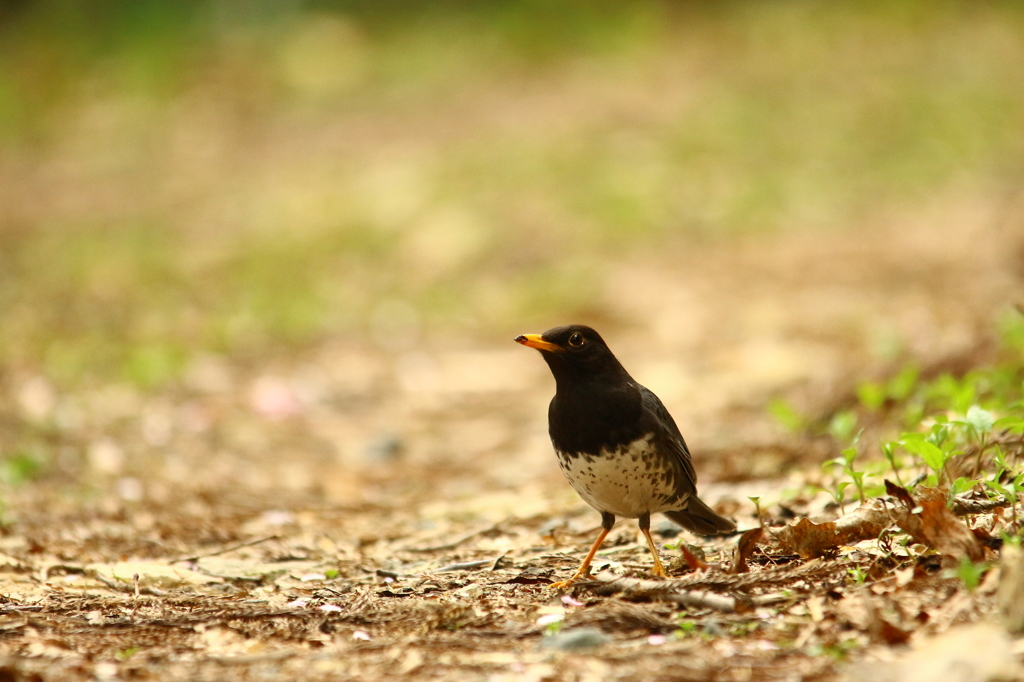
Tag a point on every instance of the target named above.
point(979, 425)
point(838, 495)
point(842, 425)
point(889, 450)
point(687, 628)
point(927, 447)
point(845, 464)
point(849, 455)
point(1011, 491)
point(757, 509)
point(786, 415)
point(970, 573)
point(874, 395)
point(858, 574)
point(962, 485)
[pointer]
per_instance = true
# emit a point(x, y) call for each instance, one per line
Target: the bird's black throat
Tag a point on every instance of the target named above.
point(588, 416)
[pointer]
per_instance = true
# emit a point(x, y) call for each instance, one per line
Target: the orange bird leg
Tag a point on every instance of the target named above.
point(583, 572)
point(645, 528)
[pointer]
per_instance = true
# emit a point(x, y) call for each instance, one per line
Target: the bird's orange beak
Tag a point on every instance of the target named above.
point(536, 341)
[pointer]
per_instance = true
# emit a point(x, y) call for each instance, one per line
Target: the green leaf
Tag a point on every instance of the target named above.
point(981, 420)
point(20, 468)
point(871, 395)
point(842, 425)
point(877, 490)
point(939, 432)
point(902, 384)
point(932, 455)
point(971, 573)
point(961, 484)
point(993, 485)
point(786, 415)
point(1011, 423)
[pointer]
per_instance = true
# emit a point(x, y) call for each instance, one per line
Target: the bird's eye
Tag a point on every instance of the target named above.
point(576, 340)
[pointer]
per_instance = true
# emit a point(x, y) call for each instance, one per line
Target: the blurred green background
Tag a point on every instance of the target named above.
point(250, 177)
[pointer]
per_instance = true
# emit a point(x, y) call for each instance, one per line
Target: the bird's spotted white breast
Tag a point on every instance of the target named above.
point(628, 481)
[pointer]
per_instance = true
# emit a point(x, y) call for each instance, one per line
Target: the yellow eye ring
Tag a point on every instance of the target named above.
point(576, 340)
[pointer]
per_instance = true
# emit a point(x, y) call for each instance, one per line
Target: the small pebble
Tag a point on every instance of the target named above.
point(579, 639)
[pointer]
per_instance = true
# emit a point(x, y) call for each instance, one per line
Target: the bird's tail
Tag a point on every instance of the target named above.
point(700, 519)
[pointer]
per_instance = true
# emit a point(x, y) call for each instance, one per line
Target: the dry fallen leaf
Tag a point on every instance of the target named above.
point(866, 522)
point(747, 544)
point(900, 493)
point(151, 574)
point(809, 539)
point(932, 523)
point(693, 561)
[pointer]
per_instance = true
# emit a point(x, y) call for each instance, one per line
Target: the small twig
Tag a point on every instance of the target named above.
point(254, 659)
point(225, 550)
point(702, 600)
point(670, 591)
point(454, 543)
point(665, 592)
point(20, 563)
point(130, 589)
point(466, 566)
point(44, 572)
point(962, 506)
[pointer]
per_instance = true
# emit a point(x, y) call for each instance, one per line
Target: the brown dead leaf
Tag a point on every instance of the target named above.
point(884, 631)
point(900, 493)
point(812, 540)
point(936, 526)
point(867, 613)
point(809, 539)
point(866, 522)
point(695, 563)
point(747, 544)
point(881, 629)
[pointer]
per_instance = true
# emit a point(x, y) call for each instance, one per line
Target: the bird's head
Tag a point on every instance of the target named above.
point(574, 352)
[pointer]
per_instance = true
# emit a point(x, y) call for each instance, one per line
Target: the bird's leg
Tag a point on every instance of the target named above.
point(583, 572)
point(645, 528)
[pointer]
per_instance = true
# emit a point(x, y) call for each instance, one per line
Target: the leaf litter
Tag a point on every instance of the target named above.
point(411, 555)
point(298, 604)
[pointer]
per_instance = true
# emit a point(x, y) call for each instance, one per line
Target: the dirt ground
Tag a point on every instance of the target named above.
point(362, 513)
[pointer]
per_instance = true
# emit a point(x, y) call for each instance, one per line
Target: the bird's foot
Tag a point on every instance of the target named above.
point(659, 571)
point(571, 581)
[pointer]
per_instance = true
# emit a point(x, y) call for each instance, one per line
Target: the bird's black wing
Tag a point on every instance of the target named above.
point(669, 440)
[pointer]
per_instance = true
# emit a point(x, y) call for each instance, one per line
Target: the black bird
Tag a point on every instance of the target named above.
point(616, 443)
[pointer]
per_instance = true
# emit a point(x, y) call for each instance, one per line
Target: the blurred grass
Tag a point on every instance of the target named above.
point(243, 178)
